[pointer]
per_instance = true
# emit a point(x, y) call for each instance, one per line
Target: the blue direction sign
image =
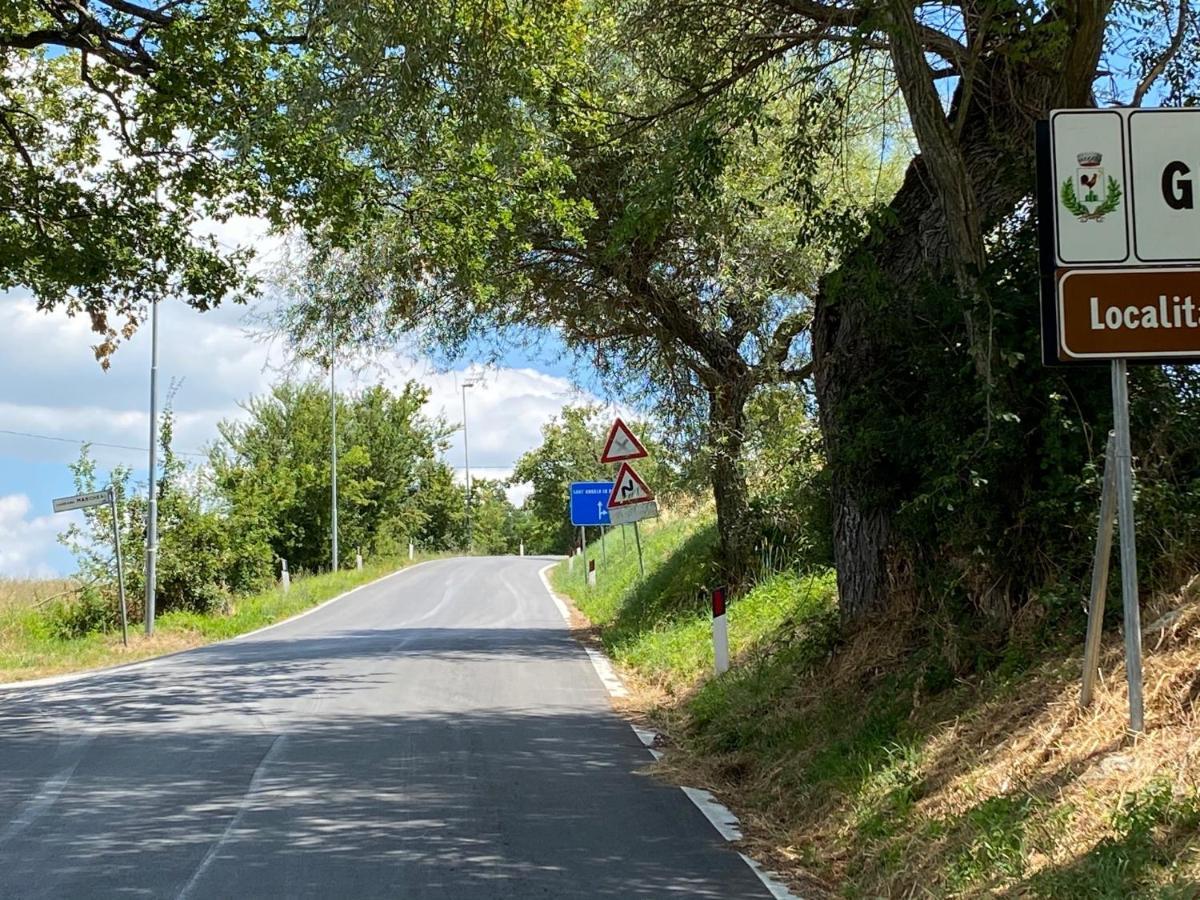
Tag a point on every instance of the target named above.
point(589, 502)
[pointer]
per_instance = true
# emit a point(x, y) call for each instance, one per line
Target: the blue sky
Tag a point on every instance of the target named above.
point(50, 384)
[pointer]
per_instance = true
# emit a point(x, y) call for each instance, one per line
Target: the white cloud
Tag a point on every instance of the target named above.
point(24, 540)
point(50, 384)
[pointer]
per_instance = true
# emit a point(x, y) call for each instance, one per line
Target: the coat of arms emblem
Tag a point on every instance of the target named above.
point(1089, 196)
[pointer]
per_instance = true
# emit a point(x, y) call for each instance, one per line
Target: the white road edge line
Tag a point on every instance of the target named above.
point(716, 812)
point(724, 820)
point(51, 788)
point(777, 888)
point(146, 663)
point(251, 790)
point(719, 815)
point(601, 663)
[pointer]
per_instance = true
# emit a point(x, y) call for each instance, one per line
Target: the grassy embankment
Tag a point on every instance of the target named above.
point(864, 766)
point(29, 647)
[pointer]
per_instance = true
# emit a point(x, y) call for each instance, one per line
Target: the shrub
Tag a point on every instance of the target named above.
point(89, 611)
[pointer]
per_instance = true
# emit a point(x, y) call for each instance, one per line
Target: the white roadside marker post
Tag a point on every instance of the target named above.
point(358, 559)
point(591, 576)
point(720, 631)
point(410, 550)
point(571, 562)
point(285, 580)
point(522, 548)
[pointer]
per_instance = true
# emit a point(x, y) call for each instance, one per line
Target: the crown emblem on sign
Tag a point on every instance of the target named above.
point(1089, 159)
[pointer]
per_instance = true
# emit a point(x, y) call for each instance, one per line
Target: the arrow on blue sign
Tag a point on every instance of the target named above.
point(589, 503)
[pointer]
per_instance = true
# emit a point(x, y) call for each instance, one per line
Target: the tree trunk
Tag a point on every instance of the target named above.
point(856, 376)
point(727, 437)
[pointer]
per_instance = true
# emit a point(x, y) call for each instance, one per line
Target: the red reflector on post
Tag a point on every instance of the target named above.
point(718, 602)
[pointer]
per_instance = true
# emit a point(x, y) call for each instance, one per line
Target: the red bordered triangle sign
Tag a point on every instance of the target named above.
point(629, 489)
point(621, 445)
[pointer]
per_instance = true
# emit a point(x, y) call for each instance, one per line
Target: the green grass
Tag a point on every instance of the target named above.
point(29, 648)
point(660, 627)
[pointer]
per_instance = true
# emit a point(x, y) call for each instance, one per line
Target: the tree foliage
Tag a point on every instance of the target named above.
point(676, 254)
point(125, 125)
point(205, 554)
point(273, 468)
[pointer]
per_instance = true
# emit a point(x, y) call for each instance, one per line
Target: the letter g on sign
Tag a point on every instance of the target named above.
point(1176, 189)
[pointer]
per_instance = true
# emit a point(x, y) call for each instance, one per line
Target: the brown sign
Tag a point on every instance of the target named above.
point(1128, 313)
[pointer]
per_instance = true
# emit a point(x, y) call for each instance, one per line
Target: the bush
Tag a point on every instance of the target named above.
point(89, 611)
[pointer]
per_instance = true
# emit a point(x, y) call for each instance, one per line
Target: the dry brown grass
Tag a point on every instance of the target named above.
point(21, 593)
point(993, 788)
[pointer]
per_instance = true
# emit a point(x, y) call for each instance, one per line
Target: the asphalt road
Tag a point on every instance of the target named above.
point(436, 735)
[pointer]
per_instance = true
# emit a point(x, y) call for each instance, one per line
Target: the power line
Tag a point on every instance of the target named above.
point(63, 440)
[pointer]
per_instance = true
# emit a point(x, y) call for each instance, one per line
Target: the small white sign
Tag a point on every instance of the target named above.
point(1165, 169)
point(1089, 186)
point(1125, 185)
point(81, 501)
point(627, 515)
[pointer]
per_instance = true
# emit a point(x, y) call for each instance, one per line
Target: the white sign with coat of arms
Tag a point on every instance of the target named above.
point(1124, 186)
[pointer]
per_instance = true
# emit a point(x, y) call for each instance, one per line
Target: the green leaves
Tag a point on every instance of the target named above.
point(274, 470)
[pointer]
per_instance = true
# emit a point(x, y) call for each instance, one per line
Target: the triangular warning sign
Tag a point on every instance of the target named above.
point(629, 489)
point(621, 445)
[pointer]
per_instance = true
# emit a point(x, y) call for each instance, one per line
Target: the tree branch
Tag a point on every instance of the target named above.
point(856, 16)
point(1160, 65)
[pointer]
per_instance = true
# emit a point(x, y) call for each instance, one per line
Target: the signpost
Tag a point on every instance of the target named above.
point(1119, 245)
point(630, 499)
point(81, 501)
point(99, 498)
point(589, 503)
point(622, 445)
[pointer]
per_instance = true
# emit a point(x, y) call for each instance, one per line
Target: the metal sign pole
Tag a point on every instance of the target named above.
point(604, 546)
point(112, 504)
point(152, 514)
point(1104, 536)
point(1129, 581)
point(583, 548)
point(637, 537)
point(333, 461)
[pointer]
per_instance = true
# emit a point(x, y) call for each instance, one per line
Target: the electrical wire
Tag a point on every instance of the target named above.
point(63, 440)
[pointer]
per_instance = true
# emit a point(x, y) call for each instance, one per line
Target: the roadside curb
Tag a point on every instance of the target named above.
point(70, 677)
point(719, 816)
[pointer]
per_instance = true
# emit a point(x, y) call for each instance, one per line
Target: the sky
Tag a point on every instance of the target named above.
point(51, 385)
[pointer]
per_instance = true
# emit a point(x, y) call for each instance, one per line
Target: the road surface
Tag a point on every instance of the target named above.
point(438, 734)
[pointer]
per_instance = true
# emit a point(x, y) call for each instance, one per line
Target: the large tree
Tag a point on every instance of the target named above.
point(676, 255)
point(922, 338)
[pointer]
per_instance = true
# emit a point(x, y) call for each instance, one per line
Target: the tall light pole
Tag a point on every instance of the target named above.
point(152, 512)
point(333, 458)
point(469, 382)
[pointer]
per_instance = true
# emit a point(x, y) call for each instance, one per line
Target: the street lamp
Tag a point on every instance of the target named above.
point(333, 454)
point(468, 382)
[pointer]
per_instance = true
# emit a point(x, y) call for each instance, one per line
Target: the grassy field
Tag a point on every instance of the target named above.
point(863, 767)
point(30, 649)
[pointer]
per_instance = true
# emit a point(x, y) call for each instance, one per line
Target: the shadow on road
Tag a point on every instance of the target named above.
point(273, 768)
